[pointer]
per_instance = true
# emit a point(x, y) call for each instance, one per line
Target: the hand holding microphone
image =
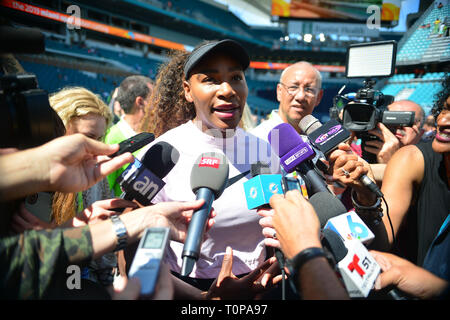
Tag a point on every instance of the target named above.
point(407, 277)
point(330, 137)
point(347, 168)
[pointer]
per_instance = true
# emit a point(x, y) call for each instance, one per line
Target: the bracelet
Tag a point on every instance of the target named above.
point(304, 256)
point(375, 211)
point(121, 233)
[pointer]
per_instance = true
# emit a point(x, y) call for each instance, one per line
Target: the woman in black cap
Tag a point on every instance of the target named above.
point(198, 102)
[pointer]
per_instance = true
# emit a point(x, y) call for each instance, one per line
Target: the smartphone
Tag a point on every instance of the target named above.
point(148, 258)
point(40, 205)
point(290, 183)
point(134, 143)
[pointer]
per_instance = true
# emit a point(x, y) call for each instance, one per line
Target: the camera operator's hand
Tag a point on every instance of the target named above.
point(347, 168)
point(385, 148)
point(67, 164)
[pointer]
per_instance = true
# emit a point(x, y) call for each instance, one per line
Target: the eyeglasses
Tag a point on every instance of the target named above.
point(293, 90)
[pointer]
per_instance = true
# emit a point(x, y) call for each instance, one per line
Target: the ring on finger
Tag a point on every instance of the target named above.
point(346, 173)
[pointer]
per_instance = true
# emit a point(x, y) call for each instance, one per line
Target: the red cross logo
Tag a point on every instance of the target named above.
point(354, 266)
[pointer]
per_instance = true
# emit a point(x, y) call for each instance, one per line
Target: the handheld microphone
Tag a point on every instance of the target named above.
point(327, 138)
point(209, 177)
point(258, 192)
point(261, 186)
point(141, 181)
point(350, 226)
point(356, 286)
point(357, 267)
point(326, 206)
point(295, 154)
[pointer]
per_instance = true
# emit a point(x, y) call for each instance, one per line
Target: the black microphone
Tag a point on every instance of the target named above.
point(142, 180)
point(295, 154)
point(327, 138)
point(209, 177)
point(326, 206)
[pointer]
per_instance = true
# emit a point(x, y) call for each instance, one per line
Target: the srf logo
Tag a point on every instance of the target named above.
point(209, 162)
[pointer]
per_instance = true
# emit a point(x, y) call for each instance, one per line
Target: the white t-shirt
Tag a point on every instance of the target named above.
point(262, 130)
point(235, 225)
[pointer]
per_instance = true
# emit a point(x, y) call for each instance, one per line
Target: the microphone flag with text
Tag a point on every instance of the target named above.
point(142, 180)
point(296, 154)
point(357, 267)
point(327, 137)
point(261, 186)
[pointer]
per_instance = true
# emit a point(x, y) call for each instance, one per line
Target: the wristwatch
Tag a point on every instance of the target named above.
point(121, 233)
point(301, 258)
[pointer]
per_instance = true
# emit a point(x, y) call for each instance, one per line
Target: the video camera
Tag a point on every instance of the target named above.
point(27, 120)
point(369, 106)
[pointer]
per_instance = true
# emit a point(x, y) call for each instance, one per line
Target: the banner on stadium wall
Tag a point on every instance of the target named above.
point(281, 66)
point(128, 34)
point(348, 29)
point(92, 25)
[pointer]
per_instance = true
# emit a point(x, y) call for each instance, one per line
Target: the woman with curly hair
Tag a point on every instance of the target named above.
point(416, 188)
point(198, 102)
point(170, 108)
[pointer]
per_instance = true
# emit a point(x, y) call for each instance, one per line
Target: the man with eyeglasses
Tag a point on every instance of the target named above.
point(298, 92)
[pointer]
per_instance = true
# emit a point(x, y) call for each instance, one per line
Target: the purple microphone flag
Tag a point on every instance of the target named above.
point(294, 157)
point(289, 146)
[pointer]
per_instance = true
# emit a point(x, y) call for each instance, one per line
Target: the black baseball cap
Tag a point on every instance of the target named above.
point(228, 46)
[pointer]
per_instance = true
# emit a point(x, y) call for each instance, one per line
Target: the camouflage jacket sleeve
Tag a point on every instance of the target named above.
point(29, 262)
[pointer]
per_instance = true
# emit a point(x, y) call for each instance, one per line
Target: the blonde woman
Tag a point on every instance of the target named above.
point(81, 112)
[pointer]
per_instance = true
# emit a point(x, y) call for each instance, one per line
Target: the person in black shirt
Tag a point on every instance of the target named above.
point(415, 186)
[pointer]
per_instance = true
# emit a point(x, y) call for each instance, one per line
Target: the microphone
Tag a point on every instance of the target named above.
point(350, 226)
point(209, 177)
point(261, 186)
point(327, 137)
point(295, 154)
point(357, 267)
point(141, 181)
point(258, 192)
point(326, 206)
point(347, 255)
